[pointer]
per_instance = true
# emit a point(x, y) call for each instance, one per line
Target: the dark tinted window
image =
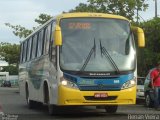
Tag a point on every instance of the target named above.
point(29, 49)
point(21, 56)
point(24, 51)
point(34, 46)
point(47, 39)
point(40, 42)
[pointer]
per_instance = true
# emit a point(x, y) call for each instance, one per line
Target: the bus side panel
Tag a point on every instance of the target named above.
point(39, 71)
point(49, 76)
point(36, 76)
point(26, 77)
point(22, 79)
point(53, 85)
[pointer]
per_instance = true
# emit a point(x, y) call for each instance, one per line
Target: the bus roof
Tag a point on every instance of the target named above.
point(76, 15)
point(86, 14)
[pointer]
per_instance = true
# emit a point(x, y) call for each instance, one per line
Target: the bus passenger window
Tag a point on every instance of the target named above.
point(24, 51)
point(34, 46)
point(29, 49)
point(47, 39)
point(40, 41)
point(21, 57)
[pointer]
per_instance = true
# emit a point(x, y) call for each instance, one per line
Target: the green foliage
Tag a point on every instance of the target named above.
point(19, 31)
point(150, 55)
point(13, 70)
point(42, 18)
point(9, 53)
point(120, 7)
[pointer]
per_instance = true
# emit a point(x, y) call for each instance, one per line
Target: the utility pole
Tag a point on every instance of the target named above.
point(155, 8)
point(137, 11)
point(137, 14)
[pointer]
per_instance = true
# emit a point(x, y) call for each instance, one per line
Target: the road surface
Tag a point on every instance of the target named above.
point(13, 105)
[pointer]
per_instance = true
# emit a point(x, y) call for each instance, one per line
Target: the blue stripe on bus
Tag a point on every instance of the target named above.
point(107, 83)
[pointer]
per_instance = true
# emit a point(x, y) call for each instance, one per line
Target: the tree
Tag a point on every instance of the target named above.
point(23, 32)
point(19, 31)
point(150, 55)
point(10, 53)
point(42, 18)
point(12, 69)
point(120, 7)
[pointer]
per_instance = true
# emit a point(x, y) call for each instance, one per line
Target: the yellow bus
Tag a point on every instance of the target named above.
point(81, 59)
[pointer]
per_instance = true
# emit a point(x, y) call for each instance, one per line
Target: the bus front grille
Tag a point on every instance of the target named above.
point(100, 88)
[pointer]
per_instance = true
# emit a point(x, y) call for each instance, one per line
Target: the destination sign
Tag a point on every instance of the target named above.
point(79, 25)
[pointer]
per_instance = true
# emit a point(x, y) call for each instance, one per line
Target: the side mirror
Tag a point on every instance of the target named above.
point(57, 36)
point(140, 35)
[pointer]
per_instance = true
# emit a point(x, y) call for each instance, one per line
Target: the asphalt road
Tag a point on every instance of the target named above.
point(14, 106)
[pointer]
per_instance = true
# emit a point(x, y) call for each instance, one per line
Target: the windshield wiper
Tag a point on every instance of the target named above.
point(93, 49)
point(107, 55)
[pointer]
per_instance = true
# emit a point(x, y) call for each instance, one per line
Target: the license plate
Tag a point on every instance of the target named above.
point(100, 95)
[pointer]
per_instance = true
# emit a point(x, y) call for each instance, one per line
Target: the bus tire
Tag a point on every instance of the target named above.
point(30, 103)
point(111, 108)
point(51, 109)
point(148, 100)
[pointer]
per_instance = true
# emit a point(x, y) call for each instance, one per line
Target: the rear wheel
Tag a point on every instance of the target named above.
point(31, 104)
point(111, 108)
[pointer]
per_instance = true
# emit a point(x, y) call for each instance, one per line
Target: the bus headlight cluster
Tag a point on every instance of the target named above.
point(68, 83)
point(129, 84)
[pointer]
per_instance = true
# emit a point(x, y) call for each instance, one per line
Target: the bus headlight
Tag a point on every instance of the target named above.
point(68, 83)
point(129, 84)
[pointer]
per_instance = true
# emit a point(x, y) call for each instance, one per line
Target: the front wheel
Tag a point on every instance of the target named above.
point(148, 101)
point(111, 108)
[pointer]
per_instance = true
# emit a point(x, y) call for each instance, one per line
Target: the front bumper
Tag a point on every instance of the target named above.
point(69, 96)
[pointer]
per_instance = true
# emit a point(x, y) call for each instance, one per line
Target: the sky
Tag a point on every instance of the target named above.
point(24, 12)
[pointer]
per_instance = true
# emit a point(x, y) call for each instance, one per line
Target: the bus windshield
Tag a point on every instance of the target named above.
point(84, 38)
